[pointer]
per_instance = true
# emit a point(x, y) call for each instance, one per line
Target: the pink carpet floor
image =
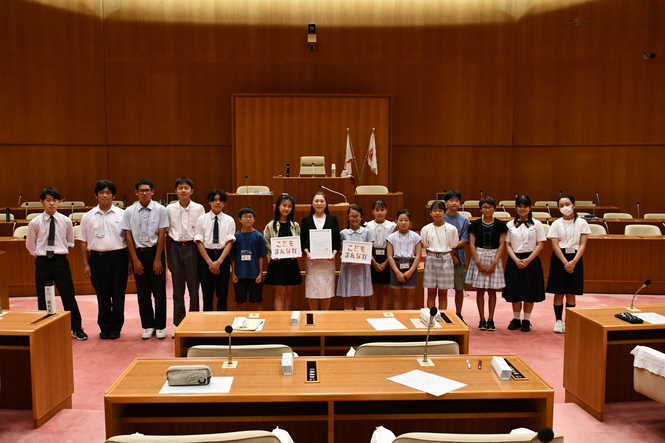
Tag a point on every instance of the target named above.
point(98, 363)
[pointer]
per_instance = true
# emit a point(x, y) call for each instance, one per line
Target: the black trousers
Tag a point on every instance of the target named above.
point(149, 285)
point(211, 283)
point(109, 278)
point(56, 270)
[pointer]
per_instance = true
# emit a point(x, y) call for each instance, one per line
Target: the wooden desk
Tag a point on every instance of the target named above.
point(333, 334)
point(598, 367)
point(554, 210)
point(303, 188)
point(36, 363)
point(352, 398)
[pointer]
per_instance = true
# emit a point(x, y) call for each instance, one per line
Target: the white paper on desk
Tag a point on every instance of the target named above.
point(217, 385)
point(419, 325)
point(426, 382)
point(651, 317)
point(386, 324)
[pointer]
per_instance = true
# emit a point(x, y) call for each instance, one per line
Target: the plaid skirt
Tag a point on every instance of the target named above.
point(439, 272)
point(476, 279)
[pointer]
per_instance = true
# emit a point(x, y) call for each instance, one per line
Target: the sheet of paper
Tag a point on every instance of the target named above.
point(386, 324)
point(285, 247)
point(218, 385)
point(651, 317)
point(252, 325)
point(420, 325)
point(426, 382)
point(320, 243)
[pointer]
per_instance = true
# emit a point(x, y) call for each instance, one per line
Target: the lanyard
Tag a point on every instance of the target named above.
point(565, 231)
point(445, 235)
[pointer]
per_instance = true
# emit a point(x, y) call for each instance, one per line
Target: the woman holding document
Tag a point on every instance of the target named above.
point(320, 241)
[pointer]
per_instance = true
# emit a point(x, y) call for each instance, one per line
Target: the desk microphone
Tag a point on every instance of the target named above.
point(638, 210)
point(26, 209)
point(247, 184)
point(632, 302)
point(313, 173)
point(8, 214)
point(597, 199)
point(504, 208)
point(560, 193)
point(515, 196)
point(229, 363)
point(606, 227)
point(13, 228)
point(63, 199)
point(593, 209)
point(544, 435)
point(481, 194)
point(335, 192)
point(20, 196)
point(547, 205)
point(432, 315)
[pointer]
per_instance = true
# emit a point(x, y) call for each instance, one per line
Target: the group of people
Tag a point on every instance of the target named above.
point(205, 250)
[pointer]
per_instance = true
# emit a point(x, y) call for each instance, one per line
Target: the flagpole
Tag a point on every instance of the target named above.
point(353, 153)
point(365, 161)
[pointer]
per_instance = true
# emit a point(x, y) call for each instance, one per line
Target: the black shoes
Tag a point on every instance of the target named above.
point(515, 324)
point(490, 325)
point(80, 335)
point(526, 325)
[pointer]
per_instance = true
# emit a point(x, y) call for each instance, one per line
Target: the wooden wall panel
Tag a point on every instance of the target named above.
point(273, 130)
point(51, 74)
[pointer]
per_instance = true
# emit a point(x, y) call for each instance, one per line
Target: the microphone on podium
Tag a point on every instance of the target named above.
point(547, 205)
point(335, 192)
point(247, 184)
point(20, 196)
point(638, 210)
point(229, 364)
point(432, 314)
point(544, 435)
point(632, 302)
point(597, 199)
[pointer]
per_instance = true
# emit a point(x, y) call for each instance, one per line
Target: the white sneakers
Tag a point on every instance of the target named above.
point(148, 333)
point(559, 327)
point(160, 334)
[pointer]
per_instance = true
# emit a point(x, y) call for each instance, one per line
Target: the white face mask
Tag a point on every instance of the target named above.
point(566, 210)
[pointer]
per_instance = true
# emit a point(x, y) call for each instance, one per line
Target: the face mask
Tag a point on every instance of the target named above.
point(566, 210)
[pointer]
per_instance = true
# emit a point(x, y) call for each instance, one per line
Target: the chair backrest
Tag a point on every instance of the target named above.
point(546, 228)
point(76, 231)
point(467, 214)
point(582, 214)
point(226, 437)
point(436, 347)
point(33, 215)
point(642, 230)
point(472, 203)
point(318, 162)
point(551, 203)
point(371, 189)
point(584, 203)
point(617, 215)
point(21, 231)
point(238, 351)
point(118, 203)
point(657, 216)
point(3, 217)
point(538, 214)
point(76, 215)
point(502, 214)
point(430, 437)
point(31, 205)
point(506, 203)
point(73, 203)
point(597, 229)
point(253, 189)
point(429, 202)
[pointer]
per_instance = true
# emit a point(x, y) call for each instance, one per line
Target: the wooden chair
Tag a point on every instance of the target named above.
point(238, 351)
point(436, 347)
point(226, 437)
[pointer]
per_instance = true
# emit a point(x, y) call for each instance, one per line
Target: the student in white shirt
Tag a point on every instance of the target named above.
point(105, 259)
point(380, 229)
point(183, 256)
point(566, 278)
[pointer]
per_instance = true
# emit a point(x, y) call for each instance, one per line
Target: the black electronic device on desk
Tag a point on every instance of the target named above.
point(630, 318)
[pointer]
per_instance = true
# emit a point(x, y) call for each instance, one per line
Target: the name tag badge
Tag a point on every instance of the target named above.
point(570, 250)
point(100, 234)
point(404, 265)
point(380, 252)
point(50, 248)
point(245, 255)
point(216, 246)
point(144, 238)
point(527, 249)
point(183, 237)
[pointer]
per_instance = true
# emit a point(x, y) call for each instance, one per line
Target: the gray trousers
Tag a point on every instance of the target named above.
point(183, 262)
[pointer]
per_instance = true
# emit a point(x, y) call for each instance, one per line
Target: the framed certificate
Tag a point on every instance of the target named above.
point(320, 243)
point(285, 247)
point(357, 252)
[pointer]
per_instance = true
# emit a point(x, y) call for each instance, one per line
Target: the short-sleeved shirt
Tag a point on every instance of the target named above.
point(182, 221)
point(439, 238)
point(523, 238)
point(488, 236)
point(38, 230)
point(205, 227)
point(461, 222)
point(381, 231)
point(248, 241)
point(569, 232)
point(404, 245)
point(145, 223)
point(102, 231)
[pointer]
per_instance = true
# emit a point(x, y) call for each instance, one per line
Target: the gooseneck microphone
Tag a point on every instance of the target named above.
point(313, 173)
point(430, 324)
point(481, 194)
point(632, 302)
point(247, 184)
point(544, 435)
point(606, 227)
point(547, 205)
point(335, 192)
point(229, 363)
point(597, 199)
point(638, 210)
point(20, 196)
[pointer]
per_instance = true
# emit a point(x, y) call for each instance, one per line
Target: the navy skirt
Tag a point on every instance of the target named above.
point(524, 285)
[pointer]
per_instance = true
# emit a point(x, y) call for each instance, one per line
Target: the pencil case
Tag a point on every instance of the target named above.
point(188, 375)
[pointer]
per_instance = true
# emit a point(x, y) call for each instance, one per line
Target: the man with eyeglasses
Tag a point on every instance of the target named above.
point(145, 224)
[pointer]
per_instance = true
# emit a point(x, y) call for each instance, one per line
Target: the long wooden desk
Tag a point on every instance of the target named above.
point(352, 398)
point(334, 332)
point(598, 367)
point(36, 363)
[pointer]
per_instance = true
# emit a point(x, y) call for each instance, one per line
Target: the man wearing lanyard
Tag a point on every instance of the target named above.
point(183, 255)
point(49, 238)
point(105, 259)
point(145, 224)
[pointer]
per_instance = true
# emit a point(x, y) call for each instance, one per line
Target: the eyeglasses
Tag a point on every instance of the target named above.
point(247, 217)
point(144, 191)
point(486, 208)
